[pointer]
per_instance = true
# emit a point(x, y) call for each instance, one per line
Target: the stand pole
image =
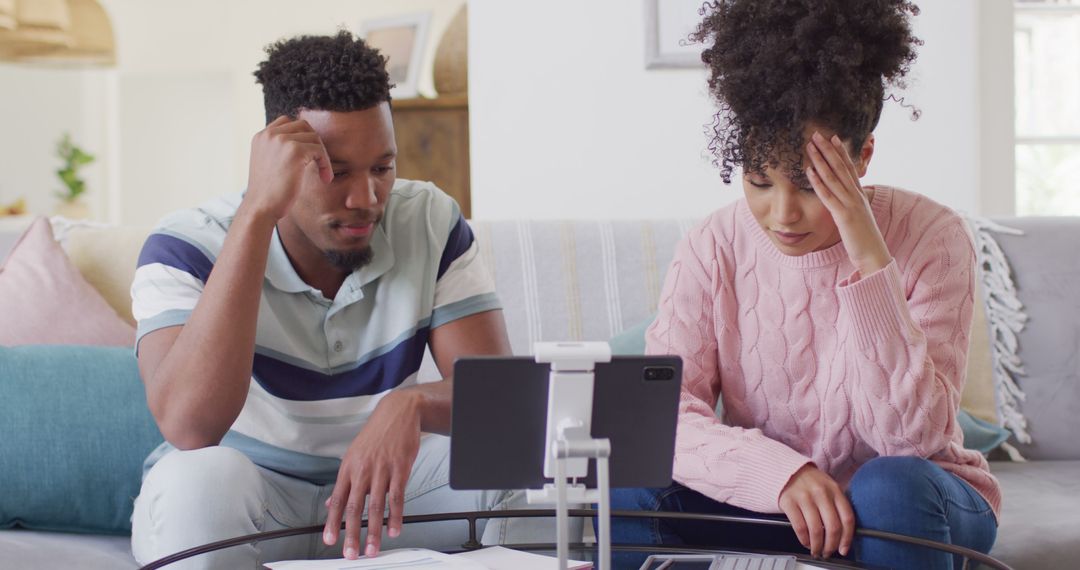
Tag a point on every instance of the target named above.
point(569, 444)
point(573, 445)
point(562, 506)
point(604, 515)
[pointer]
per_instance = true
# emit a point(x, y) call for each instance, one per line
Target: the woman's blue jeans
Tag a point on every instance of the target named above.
point(904, 495)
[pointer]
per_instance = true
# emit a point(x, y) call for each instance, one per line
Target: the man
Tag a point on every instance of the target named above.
point(280, 332)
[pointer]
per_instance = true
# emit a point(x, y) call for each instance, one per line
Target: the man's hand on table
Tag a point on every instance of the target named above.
point(374, 471)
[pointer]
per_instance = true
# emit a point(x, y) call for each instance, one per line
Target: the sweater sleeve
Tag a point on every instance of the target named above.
point(733, 465)
point(906, 348)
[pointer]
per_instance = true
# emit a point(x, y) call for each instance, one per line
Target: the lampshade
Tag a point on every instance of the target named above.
point(92, 38)
point(7, 14)
point(40, 26)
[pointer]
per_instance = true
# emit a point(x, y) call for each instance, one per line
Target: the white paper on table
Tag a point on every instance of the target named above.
point(499, 558)
point(398, 559)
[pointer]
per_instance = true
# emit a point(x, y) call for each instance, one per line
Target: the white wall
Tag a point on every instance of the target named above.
point(172, 123)
point(567, 122)
point(205, 154)
point(937, 155)
point(997, 132)
point(39, 106)
point(565, 119)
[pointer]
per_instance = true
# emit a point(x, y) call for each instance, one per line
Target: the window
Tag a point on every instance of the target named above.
point(1047, 78)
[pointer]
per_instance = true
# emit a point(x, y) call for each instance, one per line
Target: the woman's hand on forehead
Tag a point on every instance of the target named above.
point(835, 179)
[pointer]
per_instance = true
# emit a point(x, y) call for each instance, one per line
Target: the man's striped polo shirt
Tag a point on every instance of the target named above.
point(321, 365)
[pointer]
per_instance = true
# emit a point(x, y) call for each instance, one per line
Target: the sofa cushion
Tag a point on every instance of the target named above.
point(33, 549)
point(1046, 270)
point(980, 434)
point(45, 294)
point(979, 397)
point(1040, 516)
point(10, 230)
point(106, 257)
point(632, 340)
point(573, 280)
point(76, 429)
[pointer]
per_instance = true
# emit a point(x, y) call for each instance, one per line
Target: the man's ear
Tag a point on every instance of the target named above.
point(865, 154)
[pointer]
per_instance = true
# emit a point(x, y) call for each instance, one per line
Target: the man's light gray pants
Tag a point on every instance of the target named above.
point(190, 498)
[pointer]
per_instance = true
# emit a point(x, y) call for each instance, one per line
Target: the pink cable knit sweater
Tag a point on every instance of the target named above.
point(815, 362)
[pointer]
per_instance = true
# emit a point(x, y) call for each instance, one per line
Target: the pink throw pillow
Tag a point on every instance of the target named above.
point(44, 299)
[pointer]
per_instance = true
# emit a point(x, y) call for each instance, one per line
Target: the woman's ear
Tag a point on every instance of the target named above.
point(865, 154)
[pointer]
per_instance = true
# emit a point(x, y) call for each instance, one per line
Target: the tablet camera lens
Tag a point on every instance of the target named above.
point(659, 373)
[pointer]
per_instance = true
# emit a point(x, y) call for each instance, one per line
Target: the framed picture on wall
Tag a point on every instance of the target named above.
point(401, 40)
point(668, 25)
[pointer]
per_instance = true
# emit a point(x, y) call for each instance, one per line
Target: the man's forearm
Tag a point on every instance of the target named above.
point(199, 387)
point(434, 403)
point(480, 334)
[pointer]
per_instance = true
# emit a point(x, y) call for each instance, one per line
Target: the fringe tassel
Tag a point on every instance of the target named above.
point(1006, 317)
point(62, 226)
point(1013, 453)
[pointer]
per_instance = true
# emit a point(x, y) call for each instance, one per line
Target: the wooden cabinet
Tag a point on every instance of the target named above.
point(433, 144)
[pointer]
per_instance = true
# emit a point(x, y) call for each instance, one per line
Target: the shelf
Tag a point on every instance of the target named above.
point(454, 102)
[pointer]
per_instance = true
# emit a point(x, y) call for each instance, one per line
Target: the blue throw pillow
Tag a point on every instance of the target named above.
point(632, 340)
point(76, 429)
point(979, 435)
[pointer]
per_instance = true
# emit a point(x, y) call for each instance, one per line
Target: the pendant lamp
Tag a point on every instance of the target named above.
point(91, 35)
point(7, 15)
point(40, 26)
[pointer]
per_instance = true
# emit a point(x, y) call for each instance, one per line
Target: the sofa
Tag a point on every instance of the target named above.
point(585, 280)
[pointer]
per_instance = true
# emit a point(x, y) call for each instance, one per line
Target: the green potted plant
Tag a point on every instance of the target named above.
point(74, 158)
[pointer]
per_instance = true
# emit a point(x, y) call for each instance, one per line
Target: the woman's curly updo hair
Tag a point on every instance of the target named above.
point(775, 65)
point(329, 73)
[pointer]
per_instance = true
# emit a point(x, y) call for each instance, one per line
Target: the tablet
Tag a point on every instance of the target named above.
point(500, 417)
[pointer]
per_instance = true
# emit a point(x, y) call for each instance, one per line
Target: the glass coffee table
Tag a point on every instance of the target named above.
point(972, 559)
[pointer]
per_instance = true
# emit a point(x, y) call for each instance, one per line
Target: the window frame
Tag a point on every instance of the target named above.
point(1018, 140)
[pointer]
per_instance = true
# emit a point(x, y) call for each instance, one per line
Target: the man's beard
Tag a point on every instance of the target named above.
point(349, 260)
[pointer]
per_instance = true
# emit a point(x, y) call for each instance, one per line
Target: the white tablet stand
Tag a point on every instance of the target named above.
point(569, 443)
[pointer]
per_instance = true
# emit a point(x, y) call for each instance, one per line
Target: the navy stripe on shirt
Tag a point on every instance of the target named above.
point(175, 252)
point(290, 382)
point(459, 241)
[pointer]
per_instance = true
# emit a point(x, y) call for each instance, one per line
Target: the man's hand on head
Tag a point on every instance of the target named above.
point(374, 471)
point(285, 155)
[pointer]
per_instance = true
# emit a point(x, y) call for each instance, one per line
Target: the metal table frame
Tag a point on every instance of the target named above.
point(970, 556)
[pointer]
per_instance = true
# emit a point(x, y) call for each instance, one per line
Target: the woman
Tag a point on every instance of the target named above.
point(832, 319)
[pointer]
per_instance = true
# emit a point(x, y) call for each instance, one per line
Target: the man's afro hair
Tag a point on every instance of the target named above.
point(329, 73)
